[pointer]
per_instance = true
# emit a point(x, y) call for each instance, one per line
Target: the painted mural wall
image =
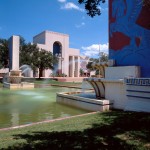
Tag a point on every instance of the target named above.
point(129, 34)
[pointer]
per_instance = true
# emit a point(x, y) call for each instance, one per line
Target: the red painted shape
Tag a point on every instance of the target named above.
point(111, 19)
point(144, 18)
point(118, 41)
point(138, 41)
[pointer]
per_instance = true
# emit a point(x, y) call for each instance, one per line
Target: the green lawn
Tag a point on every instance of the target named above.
point(115, 130)
point(54, 82)
point(1, 84)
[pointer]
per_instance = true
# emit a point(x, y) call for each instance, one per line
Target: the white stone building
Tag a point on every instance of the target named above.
point(58, 44)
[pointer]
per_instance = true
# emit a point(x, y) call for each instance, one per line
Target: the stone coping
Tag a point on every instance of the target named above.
point(18, 83)
point(47, 31)
point(113, 80)
point(127, 81)
point(83, 99)
point(22, 85)
point(103, 80)
point(46, 121)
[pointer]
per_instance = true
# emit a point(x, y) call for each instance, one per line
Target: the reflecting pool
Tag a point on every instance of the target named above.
point(19, 107)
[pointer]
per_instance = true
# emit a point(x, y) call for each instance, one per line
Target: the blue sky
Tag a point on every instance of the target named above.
point(30, 17)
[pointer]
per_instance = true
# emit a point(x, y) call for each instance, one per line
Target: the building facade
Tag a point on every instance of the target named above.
point(58, 44)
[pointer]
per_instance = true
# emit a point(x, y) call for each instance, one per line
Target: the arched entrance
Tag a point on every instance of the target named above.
point(57, 51)
point(57, 48)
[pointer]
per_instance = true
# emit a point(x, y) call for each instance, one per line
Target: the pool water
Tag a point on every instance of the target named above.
point(19, 107)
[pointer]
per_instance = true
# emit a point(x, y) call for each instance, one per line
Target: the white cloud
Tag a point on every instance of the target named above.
point(71, 5)
point(80, 25)
point(93, 50)
point(62, 1)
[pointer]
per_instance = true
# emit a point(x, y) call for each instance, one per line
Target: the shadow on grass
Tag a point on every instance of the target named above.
point(113, 131)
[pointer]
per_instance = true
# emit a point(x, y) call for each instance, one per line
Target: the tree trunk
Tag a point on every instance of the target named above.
point(40, 72)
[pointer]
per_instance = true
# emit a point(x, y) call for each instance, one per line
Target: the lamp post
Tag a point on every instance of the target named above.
point(99, 54)
point(99, 59)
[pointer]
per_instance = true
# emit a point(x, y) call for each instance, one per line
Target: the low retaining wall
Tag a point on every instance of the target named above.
point(138, 94)
point(69, 79)
point(82, 102)
point(111, 89)
point(115, 90)
point(23, 85)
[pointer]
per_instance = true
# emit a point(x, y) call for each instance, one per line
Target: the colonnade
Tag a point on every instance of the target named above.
point(74, 66)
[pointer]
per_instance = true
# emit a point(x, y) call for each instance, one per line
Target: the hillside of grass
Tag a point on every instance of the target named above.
point(115, 130)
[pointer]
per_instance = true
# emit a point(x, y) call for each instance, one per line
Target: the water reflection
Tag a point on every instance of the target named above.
point(18, 107)
point(15, 117)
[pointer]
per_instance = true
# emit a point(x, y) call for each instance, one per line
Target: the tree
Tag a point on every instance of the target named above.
point(92, 6)
point(96, 60)
point(44, 60)
point(4, 53)
point(89, 66)
point(104, 57)
point(81, 72)
point(93, 9)
point(28, 54)
point(22, 41)
point(31, 55)
point(92, 64)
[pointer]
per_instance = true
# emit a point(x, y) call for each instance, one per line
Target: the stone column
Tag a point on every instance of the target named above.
point(14, 52)
point(75, 71)
point(69, 66)
point(73, 67)
point(78, 67)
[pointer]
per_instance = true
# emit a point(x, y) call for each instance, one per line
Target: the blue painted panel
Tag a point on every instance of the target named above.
point(129, 39)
